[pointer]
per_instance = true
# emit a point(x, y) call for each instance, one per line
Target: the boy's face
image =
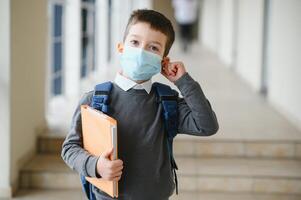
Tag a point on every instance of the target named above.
point(141, 35)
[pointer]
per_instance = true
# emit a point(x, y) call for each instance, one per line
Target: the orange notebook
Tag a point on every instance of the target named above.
point(99, 135)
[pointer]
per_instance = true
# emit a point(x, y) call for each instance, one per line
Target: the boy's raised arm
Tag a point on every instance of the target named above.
point(196, 116)
point(72, 151)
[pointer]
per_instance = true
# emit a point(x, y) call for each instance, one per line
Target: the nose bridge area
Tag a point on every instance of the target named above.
point(145, 45)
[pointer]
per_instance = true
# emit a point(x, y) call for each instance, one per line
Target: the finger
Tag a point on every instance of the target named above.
point(116, 174)
point(116, 163)
point(115, 169)
point(172, 74)
point(173, 67)
point(113, 175)
point(169, 69)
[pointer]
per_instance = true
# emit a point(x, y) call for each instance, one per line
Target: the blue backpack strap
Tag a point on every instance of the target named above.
point(100, 101)
point(87, 188)
point(168, 98)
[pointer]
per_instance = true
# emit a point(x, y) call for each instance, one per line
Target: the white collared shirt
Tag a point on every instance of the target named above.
point(126, 84)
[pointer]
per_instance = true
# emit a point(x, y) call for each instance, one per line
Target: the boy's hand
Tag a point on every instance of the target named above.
point(172, 70)
point(109, 169)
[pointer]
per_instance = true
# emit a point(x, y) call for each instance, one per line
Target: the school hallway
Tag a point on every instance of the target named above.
point(254, 155)
point(245, 57)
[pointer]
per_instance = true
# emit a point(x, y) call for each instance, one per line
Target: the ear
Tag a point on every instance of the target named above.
point(165, 61)
point(120, 47)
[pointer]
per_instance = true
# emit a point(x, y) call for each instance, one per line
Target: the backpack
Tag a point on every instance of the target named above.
point(166, 96)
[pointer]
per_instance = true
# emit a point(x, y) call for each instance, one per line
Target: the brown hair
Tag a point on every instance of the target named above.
point(157, 21)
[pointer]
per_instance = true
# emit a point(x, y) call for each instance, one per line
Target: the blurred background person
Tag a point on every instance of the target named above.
point(186, 13)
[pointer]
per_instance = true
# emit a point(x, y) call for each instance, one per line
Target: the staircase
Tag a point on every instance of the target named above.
point(207, 166)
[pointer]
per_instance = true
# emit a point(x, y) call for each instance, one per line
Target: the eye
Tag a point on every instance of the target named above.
point(154, 48)
point(134, 42)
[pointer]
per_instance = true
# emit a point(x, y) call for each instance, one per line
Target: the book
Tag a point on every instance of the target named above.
point(99, 135)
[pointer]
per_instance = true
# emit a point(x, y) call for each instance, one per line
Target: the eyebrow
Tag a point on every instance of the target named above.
point(155, 42)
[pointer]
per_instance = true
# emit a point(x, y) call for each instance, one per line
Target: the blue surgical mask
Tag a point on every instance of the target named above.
point(139, 64)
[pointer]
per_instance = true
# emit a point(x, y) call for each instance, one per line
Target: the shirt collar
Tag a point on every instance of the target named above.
point(126, 84)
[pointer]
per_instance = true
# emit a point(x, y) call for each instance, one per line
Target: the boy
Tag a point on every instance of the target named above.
point(143, 168)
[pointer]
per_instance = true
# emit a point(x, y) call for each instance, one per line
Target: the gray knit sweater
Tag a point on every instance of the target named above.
point(142, 145)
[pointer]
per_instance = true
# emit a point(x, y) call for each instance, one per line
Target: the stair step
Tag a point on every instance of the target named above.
point(48, 172)
point(49, 144)
point(240, 175)
point(78, 195)
point(195, 175)
point(215, 147)
point(207, 147)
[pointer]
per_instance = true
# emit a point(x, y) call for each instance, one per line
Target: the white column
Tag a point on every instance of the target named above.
point(120, 15)
point(209, 33)
point(5, 189)
point(249, 41)
point(225, 50)
point(72, 53)
point(284, 58)
point(141, 4)
point(102, 36)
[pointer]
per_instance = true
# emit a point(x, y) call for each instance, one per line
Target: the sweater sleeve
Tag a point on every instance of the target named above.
point(73, 153)
point(195, 115)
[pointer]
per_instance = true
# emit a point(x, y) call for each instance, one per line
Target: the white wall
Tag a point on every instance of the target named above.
point(284, 58)
point(249, 41)
point(140, 4)
point(225, 49)
point(5, 189)
point(221, 35)
point(240, 44)
point(210, 24)
point(28, 70)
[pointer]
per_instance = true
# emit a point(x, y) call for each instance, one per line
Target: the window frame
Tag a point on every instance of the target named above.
point(90, 61)
point(51, 42)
